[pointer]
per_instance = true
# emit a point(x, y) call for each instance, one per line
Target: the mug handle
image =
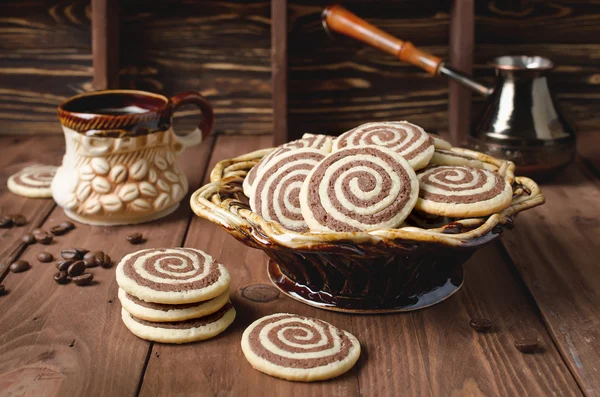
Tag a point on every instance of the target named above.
point(205, 126)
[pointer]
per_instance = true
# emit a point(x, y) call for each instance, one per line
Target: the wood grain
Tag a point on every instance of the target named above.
point(17, 154)
point(77, 332)
point(219, 365)
point(589, 150)
point(555, 249)
point(279, 63)
point(105, 43)
point(462, 41)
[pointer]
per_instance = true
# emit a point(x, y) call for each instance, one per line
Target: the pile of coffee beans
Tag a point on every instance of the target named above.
point(75, 262)
point(8, 221)
point(42, 236)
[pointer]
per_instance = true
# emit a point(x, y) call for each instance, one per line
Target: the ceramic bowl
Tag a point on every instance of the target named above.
point(384, 270)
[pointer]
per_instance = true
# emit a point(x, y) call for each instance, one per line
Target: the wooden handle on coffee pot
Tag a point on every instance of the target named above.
point(338, 19)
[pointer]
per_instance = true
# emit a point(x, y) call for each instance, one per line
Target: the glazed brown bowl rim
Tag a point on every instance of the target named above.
point(233, 215)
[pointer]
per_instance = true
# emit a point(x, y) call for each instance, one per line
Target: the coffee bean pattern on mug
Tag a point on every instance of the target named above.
point(137, 177)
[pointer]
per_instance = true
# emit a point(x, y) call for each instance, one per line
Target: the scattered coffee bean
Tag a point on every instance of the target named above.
point(480, 324)
point(63, 266)
point(45, 257)
point(68, 225)
point(58, 230)
point(71, 253)
point(77, 268)
point(28, 238)
point(2, 290)
point(37, 231)
point(527, 345)
point(44, 238)
point(102, 259)
point(89, 259)
point(19, 219)
point(6, 222)
point(19, 266)
point(136, 238)
point(83, 279)
point(61, 277)
point(82, 251)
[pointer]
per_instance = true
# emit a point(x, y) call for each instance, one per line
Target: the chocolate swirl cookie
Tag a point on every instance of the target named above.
point(33, 181)
point(159, 312)
point(356, 189)
point(460, 191)
point(407, 139)
point(299, 348)
point(276, 195)
point(172, 275)
point(321, 142)
point(448, 157)
point(181, 331)
point(440, 143)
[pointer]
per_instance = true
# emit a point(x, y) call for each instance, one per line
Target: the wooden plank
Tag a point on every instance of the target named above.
point(105, 43)
point(76, 332)
point(219, 366)
point(555, 248)
point(279, 61)
point(589, 149)
point(17, 154)
point(462, 40)
point(461, 362)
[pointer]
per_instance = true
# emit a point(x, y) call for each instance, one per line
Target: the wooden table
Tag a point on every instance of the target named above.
point(541, 280)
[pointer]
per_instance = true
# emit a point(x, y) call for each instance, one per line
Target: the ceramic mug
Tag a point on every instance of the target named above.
point(120, 161)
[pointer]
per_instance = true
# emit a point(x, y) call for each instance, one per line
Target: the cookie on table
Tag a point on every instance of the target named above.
point(359, 188)
point(299, 348)
point(276, 195)
point(409, 140)
point(461, 191)
point(172, 275)
point(33, 181)
point(193, 330)
point(158, 312)
point(439, 143)
point(321, 142)
point(448, 157)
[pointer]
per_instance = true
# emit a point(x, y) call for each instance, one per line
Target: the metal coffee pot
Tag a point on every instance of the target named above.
point(520, 120)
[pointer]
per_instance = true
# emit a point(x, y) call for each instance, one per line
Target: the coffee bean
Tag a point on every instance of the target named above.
point(71, 253)
point(67, 225)
point(136, 238)
point(2, 290)
point(77, 268)
point(19, 219)
point(58, 230)
point(19, 266)
point(89, 260)
point(37, 231)
point(61, 277)
point(83, 279)
point(6, 222)
point(45, 257)
point(102, 259)
point(44, 238)
point(480, 324)
point(63, 266)
point(527, 345)
point(28, 238)
point(82, 251)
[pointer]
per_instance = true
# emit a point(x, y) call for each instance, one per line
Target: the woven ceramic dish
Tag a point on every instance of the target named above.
point(384, 270)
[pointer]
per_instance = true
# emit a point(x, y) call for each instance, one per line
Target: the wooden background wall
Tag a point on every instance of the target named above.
point(222, 49)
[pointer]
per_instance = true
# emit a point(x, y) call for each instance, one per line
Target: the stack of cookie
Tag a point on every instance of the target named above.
point(174, 295)
point(375, 176)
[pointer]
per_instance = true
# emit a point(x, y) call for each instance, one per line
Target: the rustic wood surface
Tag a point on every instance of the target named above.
point(223, 49)
point(539, 281)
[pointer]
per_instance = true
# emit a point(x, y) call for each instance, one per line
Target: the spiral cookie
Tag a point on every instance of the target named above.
point(172, 275)
point(321, 142)
point(276, 195)
point(447, 157)
point(33, 181)
point(159, 312)
point(407, 139)
point(440, 143)
point(299, 348)
point(181, 331)
point(460, 191)
point(357, 189)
